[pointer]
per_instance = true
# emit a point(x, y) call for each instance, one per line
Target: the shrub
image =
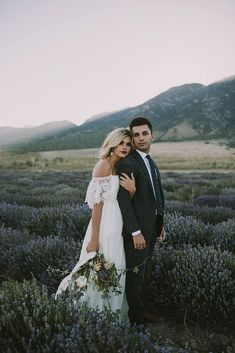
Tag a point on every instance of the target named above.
point(223, 236)
point(216, 200)
point(11, 237)
point(32, 321)
point(34, 259)
point(41, 198)
point(30, 318)
point(66, 221)
point(187, 187)
point(206, 214)
point(185, 230)
point(39, 189)
point(197, 282)
point(188, 230)
point(15, 216)
point(179, 192)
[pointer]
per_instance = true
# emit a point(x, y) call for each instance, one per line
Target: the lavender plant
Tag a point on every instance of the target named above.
point(65, 221)
point(198, 282)
point(206, 214)
point(33, 258)
point(183, 230)
point(227, 200)
point(32, 321)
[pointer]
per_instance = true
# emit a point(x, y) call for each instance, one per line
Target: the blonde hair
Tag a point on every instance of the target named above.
point(112, 140)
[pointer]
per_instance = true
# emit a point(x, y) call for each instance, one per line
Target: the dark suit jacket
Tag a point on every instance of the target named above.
point(140, 211)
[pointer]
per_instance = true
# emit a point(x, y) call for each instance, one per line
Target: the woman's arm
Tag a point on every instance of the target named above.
point(93, 244)
point(101, 169)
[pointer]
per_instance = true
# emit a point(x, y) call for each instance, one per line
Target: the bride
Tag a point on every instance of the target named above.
point(104, 232)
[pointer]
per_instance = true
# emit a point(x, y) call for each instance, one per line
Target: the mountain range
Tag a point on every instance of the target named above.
point(186, 112)
point(12, 136)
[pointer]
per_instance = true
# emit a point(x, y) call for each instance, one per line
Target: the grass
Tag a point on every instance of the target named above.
point(171, 156)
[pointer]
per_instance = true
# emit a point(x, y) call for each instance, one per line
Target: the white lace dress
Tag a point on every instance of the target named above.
point(110, 242)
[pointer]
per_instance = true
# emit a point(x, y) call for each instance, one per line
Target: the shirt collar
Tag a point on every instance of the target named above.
point(142, 154)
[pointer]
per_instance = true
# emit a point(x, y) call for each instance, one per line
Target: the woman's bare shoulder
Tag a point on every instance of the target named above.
point(102, 169)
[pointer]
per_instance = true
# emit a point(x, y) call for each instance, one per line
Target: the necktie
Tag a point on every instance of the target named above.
point(157, 186)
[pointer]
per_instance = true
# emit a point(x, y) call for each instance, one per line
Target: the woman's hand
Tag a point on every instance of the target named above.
point(128, 183)
point(92, 246)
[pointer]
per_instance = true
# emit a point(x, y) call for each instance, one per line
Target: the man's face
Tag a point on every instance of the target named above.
point(142, 138)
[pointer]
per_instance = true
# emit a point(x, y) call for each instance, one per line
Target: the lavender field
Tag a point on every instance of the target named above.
point(43, 220)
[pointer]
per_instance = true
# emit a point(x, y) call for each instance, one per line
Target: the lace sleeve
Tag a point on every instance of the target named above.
point(97, 191)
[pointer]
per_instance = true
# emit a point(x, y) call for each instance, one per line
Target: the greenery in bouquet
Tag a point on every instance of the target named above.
point(99, 272)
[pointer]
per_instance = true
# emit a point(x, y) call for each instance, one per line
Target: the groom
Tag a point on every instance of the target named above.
point(142, 217)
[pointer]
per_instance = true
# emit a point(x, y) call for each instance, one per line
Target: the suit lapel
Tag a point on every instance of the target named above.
point(140, 161)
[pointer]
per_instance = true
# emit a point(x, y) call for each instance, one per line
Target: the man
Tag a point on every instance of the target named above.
point(142, 216)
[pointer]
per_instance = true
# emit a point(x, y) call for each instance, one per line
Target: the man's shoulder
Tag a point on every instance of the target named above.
point(129, 159)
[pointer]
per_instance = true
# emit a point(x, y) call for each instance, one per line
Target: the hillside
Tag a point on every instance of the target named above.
point(11, 135)
point(187, 112)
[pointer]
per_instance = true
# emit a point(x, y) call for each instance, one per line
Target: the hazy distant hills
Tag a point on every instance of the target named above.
point(191, 111)
point(11, 135)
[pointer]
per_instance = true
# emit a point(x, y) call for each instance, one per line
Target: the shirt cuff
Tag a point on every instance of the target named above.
point(136, 232)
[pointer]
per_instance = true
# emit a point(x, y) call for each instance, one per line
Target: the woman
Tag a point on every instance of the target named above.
point(104, 232)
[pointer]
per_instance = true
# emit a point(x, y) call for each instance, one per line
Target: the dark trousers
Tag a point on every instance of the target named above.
point(137, 263)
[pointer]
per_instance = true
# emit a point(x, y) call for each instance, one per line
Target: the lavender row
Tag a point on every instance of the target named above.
point(189, 230)
point(71, 222)
point(207, 214)
point(187, 187)
point(195, 281)
point(66, 221)
point(32, 321)
point(41, 189)
point(216, 200)
point(42, 258)
point(41, 197)
point(199, 279)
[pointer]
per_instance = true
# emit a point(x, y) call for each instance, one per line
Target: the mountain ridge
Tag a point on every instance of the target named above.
point(185, 112)
point(11, 135)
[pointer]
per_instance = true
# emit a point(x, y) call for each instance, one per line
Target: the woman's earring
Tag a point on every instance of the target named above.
point(111, 152)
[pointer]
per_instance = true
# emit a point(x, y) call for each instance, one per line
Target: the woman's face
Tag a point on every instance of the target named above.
point(124, 148)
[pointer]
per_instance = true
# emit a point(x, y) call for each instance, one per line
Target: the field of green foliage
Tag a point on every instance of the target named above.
point(43, 220)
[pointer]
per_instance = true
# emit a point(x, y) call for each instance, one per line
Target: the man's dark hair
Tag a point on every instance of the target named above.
point(141, 121)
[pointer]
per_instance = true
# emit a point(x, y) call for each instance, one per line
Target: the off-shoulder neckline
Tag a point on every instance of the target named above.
point(105, 177)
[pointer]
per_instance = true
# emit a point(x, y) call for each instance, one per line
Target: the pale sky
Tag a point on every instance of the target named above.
point(72, 59)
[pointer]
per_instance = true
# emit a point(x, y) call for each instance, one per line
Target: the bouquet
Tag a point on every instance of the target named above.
point(99, 272)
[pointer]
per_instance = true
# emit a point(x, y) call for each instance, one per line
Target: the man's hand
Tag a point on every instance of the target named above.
point(139, 241)
point(161, 237)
